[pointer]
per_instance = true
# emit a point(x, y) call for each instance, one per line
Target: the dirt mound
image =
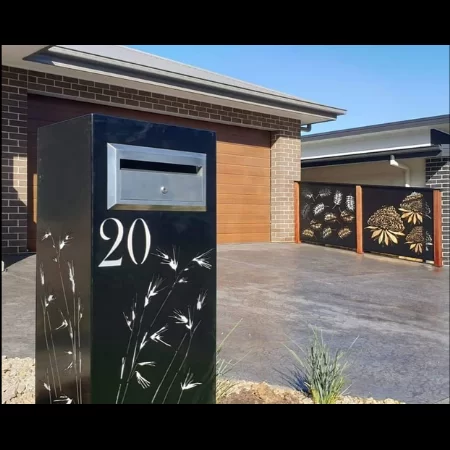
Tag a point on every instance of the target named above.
point(17, 380)
point(245, 392)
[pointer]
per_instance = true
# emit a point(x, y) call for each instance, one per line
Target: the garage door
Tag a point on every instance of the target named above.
point(243, 166)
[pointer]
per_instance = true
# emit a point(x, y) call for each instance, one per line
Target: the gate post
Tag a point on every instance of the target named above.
point(359, 220)
point(437, 228)
point(297, 212)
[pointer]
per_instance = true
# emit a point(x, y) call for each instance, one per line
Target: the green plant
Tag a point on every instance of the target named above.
point(323, 373)
point(223, 386)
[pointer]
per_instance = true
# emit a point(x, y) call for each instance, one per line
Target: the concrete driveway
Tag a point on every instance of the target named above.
point(398, 310)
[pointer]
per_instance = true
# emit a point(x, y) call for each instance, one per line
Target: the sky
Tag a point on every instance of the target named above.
point(374, 83)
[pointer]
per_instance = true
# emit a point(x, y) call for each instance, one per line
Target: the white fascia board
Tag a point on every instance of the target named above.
point(364, 152)
point(360, 144)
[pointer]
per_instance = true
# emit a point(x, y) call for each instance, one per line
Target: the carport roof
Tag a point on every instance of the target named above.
point(134, 68)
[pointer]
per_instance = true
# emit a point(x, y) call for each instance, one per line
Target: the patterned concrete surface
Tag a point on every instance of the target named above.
point(398, 310)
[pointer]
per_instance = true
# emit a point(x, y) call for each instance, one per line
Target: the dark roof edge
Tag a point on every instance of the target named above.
point(389, 126)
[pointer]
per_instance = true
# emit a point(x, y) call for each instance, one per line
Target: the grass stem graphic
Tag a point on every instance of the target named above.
point(168, 368)
point(182, 362)
point(71, 321)
point(48, 351)
point(142, 341)
point(136, 353)
point(49, 389)
point(187, 384)
point(54, 350)
point(167, 297)
point(124, 360)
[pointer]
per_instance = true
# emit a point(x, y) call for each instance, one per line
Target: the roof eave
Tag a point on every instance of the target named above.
point(380, 128)
point(310, 112)
point(372, 156)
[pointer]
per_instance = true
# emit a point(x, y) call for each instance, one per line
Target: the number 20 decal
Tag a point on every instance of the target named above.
point(118, 262)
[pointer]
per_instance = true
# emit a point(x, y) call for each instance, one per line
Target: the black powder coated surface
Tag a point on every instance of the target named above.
point(153, 325)
point(398, 221)
point(64, 210)
point(327, 214)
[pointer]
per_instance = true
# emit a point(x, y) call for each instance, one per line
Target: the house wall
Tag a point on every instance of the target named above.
point(380, 173)
point(18, 83)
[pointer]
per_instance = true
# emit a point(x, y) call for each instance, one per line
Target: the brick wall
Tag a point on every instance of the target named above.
point(16, 83)
point(285, 163)
point(438, 176)
point(14, 163)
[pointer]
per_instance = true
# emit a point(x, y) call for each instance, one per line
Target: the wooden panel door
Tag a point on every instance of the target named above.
point(243, 193)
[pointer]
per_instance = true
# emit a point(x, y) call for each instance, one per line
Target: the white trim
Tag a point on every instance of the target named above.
point(378, 150)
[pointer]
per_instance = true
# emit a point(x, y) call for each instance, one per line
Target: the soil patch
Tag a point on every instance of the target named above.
point(18, 387)
point(245, 392)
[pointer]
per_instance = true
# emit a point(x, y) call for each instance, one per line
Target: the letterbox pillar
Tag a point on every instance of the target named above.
point(126, 263)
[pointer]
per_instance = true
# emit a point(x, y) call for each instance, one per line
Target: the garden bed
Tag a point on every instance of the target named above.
point(18, 388)
point(245, 392)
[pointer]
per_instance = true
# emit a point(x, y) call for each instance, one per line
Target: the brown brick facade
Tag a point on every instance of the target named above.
point(17, 83)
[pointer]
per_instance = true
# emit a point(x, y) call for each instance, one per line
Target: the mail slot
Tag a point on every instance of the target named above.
point(146, 178)
point(126, 263)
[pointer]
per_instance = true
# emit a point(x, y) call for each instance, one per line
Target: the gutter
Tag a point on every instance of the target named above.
point(122, 68)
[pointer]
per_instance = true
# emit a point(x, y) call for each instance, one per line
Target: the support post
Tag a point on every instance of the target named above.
point(359, 220)
point(437, 228)
point(297, 211)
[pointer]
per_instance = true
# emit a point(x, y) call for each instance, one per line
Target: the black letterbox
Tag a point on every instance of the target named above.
point(126, 263)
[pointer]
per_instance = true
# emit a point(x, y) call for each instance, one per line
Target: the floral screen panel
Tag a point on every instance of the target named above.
point(398, 221)
point(328, 214)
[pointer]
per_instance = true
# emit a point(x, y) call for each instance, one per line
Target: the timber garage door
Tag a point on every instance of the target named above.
point(243, 166)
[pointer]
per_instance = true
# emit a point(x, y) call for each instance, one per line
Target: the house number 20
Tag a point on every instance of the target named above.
point(119, 237)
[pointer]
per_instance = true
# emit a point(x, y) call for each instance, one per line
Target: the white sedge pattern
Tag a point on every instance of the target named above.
point(318, 209)
point(350, 202)
point(337, 199)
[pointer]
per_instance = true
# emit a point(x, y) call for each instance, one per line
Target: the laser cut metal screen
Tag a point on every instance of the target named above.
point(398, 221)
point(328, 214)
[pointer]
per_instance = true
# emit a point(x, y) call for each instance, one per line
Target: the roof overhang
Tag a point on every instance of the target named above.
point(377, 155)
point(419, 143)
point(373, 130)
point(122, 66)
